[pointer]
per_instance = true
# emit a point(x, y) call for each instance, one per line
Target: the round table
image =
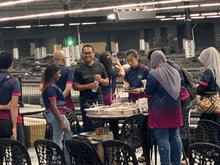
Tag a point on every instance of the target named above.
point(106, 118)
point(29, 111)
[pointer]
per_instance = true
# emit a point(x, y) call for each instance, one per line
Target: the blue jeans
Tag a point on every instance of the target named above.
point(58, 133)
point(169, 143)
point(87, 122)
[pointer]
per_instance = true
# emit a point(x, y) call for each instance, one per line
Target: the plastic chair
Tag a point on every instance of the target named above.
point(49, 153)
point(132, 131)
point(117, 152)
point(74, 122)
point(13, 152)
point(82, 153)
point(208, 131)
point(203, 153)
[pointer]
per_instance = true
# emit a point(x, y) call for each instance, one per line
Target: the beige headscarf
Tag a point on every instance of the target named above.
point(210, 57)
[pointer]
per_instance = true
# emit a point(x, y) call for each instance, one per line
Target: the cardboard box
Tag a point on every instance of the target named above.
point(34, 129)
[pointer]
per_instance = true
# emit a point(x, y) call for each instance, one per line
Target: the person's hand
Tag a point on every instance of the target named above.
point(9, 105)
point(137, 90)
point(14, 134)
point(64, 127)
point(126, 87)
point(93, 85)
point(98, 78)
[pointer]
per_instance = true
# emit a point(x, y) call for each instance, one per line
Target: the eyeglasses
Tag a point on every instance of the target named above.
point(89, 53)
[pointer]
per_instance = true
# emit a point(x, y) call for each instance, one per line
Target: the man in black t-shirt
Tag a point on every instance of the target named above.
point(88, 79)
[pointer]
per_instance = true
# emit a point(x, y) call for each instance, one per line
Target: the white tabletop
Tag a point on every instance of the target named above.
point(30, 110)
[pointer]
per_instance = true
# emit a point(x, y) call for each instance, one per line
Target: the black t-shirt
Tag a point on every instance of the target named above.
point(85, 74)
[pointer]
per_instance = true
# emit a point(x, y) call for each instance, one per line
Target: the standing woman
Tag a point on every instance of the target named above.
point(55, 107)
point(109, 91)
point(134, 75)
point(113, 74)
point(164, 107)
point(210, 80)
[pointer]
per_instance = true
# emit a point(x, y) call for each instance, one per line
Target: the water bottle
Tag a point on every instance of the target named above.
point(95, 90)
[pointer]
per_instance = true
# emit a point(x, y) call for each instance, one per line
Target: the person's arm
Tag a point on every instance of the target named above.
point(67, 90)
point(207, 77)
point(77, 86)
point(104, 82)
point(41, 86)
point(14, 116)
point(151, 86)
point(5, 107)
point(53, 104)
point(121, 69)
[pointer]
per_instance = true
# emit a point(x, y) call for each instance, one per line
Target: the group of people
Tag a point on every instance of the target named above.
point(163, 84)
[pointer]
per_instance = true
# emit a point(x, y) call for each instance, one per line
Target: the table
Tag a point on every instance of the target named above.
point(29, 111)
point(146, 137)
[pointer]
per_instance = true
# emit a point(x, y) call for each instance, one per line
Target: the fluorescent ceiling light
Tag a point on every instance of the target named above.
point(209, 13)
point(210, 4)
point(161, 16)
point(9, 27)
point(89, 23)
point(167, 19)
point(62, 24)
point(213, 16)
point(39, 25)
point(74, 24)
point(111, 17)
point(187, 6)
point(23, 27)
point(176, 16)
point(202, 17)
point(167, 8)
point(194, 15)
point(10, 3)
point(180, 18)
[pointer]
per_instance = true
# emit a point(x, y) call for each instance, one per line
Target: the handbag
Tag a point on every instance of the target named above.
point(209, 102)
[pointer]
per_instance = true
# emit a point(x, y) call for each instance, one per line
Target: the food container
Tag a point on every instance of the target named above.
point(95, 111)
point(119, 111)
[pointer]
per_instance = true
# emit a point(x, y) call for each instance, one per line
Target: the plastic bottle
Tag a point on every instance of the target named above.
point(95, 90)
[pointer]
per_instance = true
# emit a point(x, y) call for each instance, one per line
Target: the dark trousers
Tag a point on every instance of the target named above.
point(87, 122)
point(6, 130)
point(186, 140)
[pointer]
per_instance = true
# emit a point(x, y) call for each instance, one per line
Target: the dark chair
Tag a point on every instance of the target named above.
point(117, 152)
point(132, 131)
point(208, 131)
point(13, 152)
point(82, 153)
point(203, 153)
point(74, 122)
point(49, 153)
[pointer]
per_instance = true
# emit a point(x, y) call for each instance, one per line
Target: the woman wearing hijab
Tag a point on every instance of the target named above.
point(210, 80)
point(165, 114)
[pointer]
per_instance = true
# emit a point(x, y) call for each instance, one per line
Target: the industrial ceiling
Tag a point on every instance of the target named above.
point(89, 10)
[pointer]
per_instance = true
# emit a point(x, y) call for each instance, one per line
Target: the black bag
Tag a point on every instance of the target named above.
point(190, 82)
